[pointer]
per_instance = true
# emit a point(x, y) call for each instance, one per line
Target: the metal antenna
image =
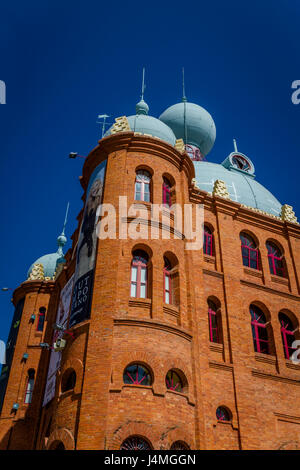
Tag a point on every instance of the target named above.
point(66, 218)
point(184, 107)
point(183, 86)
point(235, 145)
point(103, 116)
point(143, 84)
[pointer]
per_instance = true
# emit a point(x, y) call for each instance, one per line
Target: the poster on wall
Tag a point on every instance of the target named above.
point(10, 349)
point(55, 356)
point(86, 249)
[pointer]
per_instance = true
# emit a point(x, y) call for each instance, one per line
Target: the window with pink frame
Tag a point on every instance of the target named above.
point(223, 414)
point(208, 241)
point(259, 330)
point(137, 374)
point(166, 193)
point(288, 334)
point(276, 260)
point(139, 274)
point(173, 381)
point(167, 282)
point(213, 323)
point(250, 253)
point(29, 387)
point(142, 186)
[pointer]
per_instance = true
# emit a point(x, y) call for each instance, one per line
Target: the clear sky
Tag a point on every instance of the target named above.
point(65, 62)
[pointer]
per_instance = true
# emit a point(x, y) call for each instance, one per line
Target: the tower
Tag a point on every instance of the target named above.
point(165, 347)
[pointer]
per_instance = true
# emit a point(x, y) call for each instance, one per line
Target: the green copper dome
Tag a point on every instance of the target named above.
point(141, 122)
point(192, 123)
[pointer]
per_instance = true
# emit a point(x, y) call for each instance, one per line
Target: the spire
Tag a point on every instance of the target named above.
point(183, 87)
point(142, 107)
point(235, 145)
point(62, 239)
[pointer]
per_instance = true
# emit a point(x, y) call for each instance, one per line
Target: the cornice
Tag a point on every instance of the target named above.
point(153, 324)
point(270, 290)
point(42, 287)
point(132, 142)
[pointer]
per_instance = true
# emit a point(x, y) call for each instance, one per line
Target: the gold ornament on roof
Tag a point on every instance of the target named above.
point(121, 125)
point(220, 189)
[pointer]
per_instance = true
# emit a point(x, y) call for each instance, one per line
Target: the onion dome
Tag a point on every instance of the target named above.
point(144, 124)
point(237, 171)
point(192, 123)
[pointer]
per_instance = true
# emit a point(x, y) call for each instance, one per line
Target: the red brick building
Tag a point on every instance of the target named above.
point(165, 347)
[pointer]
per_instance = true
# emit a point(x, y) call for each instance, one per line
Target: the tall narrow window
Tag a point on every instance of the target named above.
point(276, 260)
point(166, 193)
point(288, 334)
point(208, 241)
point(167, 282)
point(29, 386)
point(41, 319)
point(259, 330)
point(214, 335)
point(142, 186)
point(250, 252)
point(139, 275)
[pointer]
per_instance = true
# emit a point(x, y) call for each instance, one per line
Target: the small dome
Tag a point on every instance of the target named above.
point(149, 125)
point(243, 189)
point(142, 107)
point(49, 263)
point(200, 126)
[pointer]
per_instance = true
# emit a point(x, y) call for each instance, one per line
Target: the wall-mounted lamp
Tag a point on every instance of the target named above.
point(15, 406)
point(32, 318)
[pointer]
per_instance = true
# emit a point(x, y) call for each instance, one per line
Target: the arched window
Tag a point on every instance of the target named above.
point(135, 443)
point(179, 445)
point(68, 380)
point(166, 193)
point(29, 386)
point(213, 323)
point(173, 381)
point(250, 253)
point(276, 260)
point(208, 241)
point(137, 374)
point(142, 186)
point(41, 319)
point(223, 414)
point(288, 334)
point(167, 281)
point(139, 275)
point(259, 330)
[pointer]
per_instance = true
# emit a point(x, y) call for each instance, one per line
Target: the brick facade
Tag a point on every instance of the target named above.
point(260, 391)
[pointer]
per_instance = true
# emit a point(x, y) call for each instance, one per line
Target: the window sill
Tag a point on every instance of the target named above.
point(181, 394)
point(266, 358)
point(279, 280)
point(217, 347)
point(171, 310)
point(253, 272)
point(139, 302)
point(290, 365)
point(209, 258)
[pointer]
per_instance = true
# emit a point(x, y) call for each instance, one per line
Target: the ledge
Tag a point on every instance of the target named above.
point(266, 358)
point(171, 310)
point(217, 347)
point(209, 259)
point(154, 325)
point(280, 280)
point(290, 365)
point(138, 302)
point(253, 272)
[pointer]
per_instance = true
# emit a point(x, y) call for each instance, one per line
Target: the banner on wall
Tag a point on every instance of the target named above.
point(55, 356)
point(86, 249)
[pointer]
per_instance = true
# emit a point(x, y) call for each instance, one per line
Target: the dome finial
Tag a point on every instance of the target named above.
point(142, 107)
point(235, 145)
point(62, 239)
point(183, 87)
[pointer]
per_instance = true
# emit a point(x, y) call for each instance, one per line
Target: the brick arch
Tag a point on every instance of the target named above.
point(174, 434)
point(134, 428)
point(180, 365)
point(77, 365)
point(63, 435)
point(143, 357)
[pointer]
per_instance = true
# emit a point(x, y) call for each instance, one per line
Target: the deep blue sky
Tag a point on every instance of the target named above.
point(66, 62)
